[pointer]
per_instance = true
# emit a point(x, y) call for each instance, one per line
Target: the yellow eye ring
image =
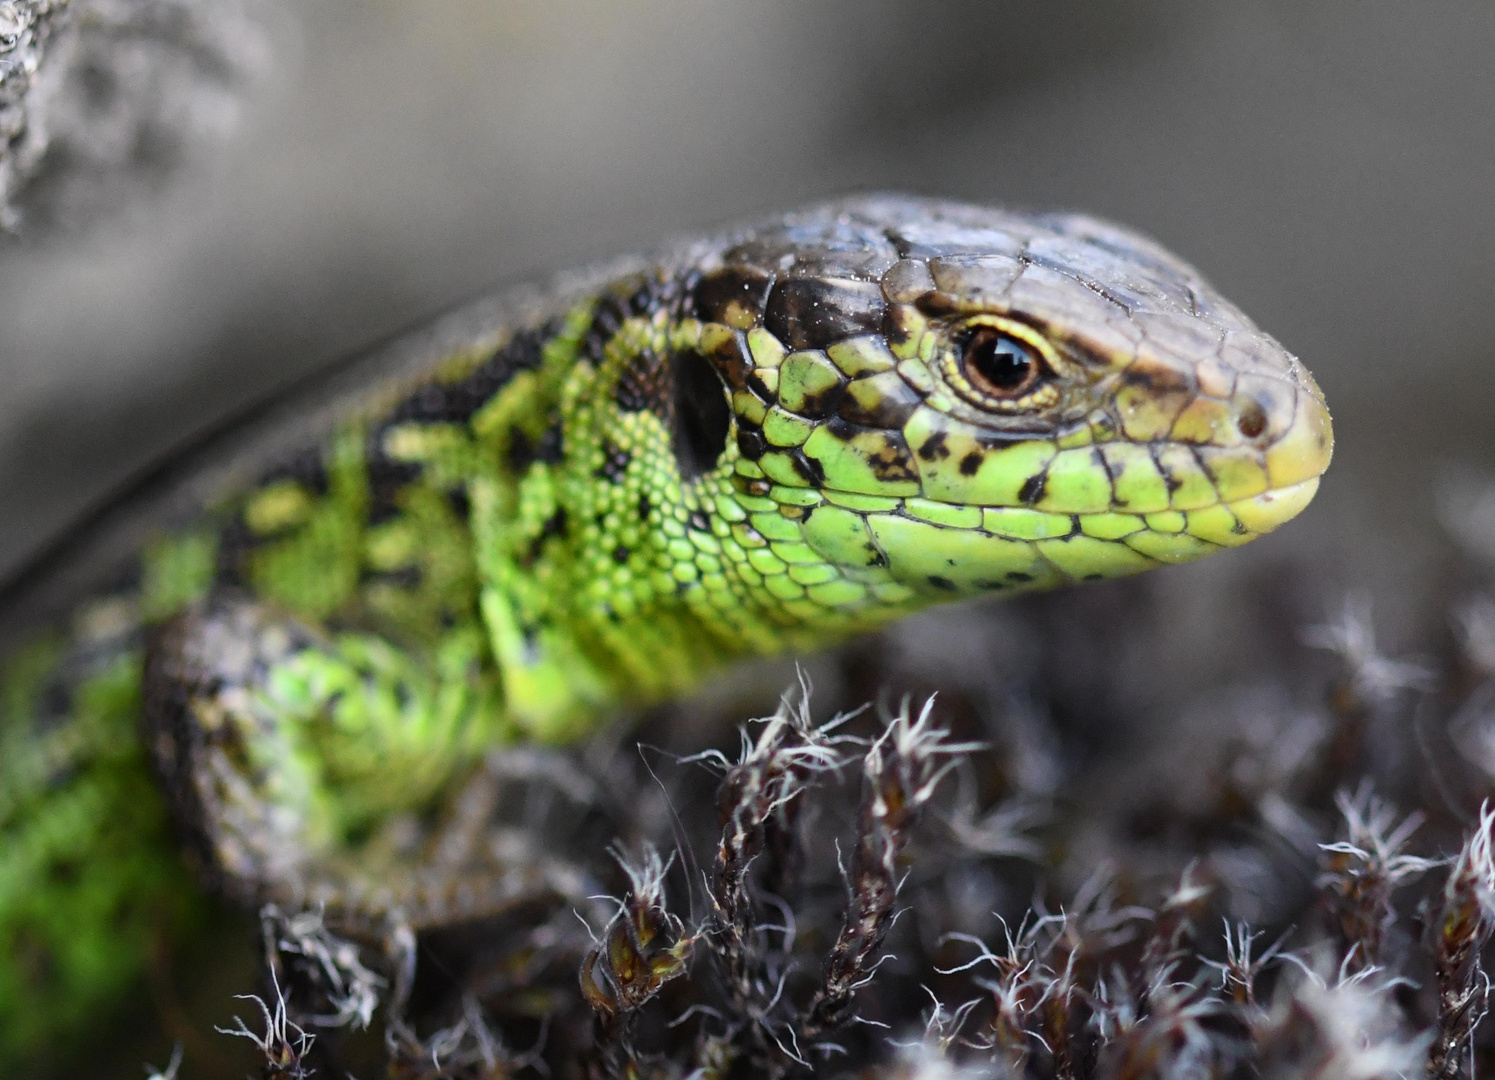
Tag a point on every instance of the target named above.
point(1001, 364)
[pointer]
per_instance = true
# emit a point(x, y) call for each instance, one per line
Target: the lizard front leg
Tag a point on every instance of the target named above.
point(311, 768)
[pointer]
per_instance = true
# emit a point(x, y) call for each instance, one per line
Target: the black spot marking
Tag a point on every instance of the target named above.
point(699, 521)
point(401, 577)
point(1018, 575)
point(432, 403)
point(547, 449)
point(702, 415)
point(555, 525)
point(1157, 380)
point(936, 304)
point(941, 583)
point(455, 402)
point(62, 872)
point(382, 510)
point(306, 468)
point(620, 554)
point(893, 462)
point(644, 384)
point(818, 405)
point(614, 463)
point(995, 586)
point(644, 507)
point(970, 465)
point(742, 287)
point(634, 297)
point(934, 448)
point(750, 441)
point(733, 362)
point(814, 312)
point(56, 699)
point(807, 467)
point(235, 543)
point(1032, 489)
point(387, 478)
point(840, 429)
point(897, 329)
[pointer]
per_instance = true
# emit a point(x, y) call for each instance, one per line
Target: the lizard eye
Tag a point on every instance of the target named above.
point(998, 365)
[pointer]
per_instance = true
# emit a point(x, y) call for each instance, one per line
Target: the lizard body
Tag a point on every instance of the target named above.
point(509, 525)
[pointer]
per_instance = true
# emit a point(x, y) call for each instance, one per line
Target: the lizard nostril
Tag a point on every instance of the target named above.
point(1251, 420)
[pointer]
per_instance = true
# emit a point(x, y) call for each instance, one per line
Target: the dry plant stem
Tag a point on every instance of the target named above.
point(301, 950)
point(1463, 929)
point(1029, 1000)
point(641, 949)
point(1369, 681)
point(468, 1050)
point(1166, 1037)
point(1240, 970)
point(1172, 937)
point(1157, 1018)
point(757, 799)
point(1363, 870)
point(902, 769)
point(284, 1043)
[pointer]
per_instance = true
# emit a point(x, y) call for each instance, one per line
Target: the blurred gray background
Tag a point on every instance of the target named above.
point(347, 167)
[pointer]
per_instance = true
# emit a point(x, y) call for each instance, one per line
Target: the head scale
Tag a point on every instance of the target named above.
point(982, 401)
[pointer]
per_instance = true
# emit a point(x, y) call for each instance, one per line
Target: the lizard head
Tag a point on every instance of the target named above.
point(949, 400)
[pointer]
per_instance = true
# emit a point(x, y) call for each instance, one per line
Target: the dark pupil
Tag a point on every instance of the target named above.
point(999, 360)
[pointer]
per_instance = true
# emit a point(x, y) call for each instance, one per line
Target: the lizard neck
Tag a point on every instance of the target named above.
point(580, 507)
point(633, 557)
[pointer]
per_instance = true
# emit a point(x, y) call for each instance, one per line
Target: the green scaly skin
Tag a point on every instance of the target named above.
point(509, 527)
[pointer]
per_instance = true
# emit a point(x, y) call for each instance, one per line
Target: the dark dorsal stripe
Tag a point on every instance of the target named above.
point(433, 402)
point(455, 402)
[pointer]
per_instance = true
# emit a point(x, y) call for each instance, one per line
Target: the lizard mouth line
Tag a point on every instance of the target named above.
point(1104, 490)
point(1166, 536)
